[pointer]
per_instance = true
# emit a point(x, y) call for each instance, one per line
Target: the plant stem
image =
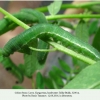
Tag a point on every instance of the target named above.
point(65, 6)
point(73, 16)
point(51, 17)
point(72, 53)
point(43, 50)
point(33, 87)
point(20, 23)
point(57, 46)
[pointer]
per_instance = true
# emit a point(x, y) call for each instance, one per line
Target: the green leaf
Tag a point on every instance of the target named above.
point(78, 65)
point(22, 68)
point(93, 27)
point(1, 58)
point(97, 87)
point(57, 80)
point(86, 79)
point(54, 7)
point(39, 81)
point(12, 68)
point(17, 87)
point(95, 8)
point(82, 31)
point(31, 62)
point(87, 12)
point(64, 65)
point(48, 83)
point(59, 72)
point(65, 24)
point(96, 41)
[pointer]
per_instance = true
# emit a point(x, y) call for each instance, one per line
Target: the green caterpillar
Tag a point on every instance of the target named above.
point(53, 32)
point(6, 24)
point(28, 16)
point(41, 56)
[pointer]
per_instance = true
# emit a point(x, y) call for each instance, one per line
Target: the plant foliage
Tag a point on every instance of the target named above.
point(85, 57)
